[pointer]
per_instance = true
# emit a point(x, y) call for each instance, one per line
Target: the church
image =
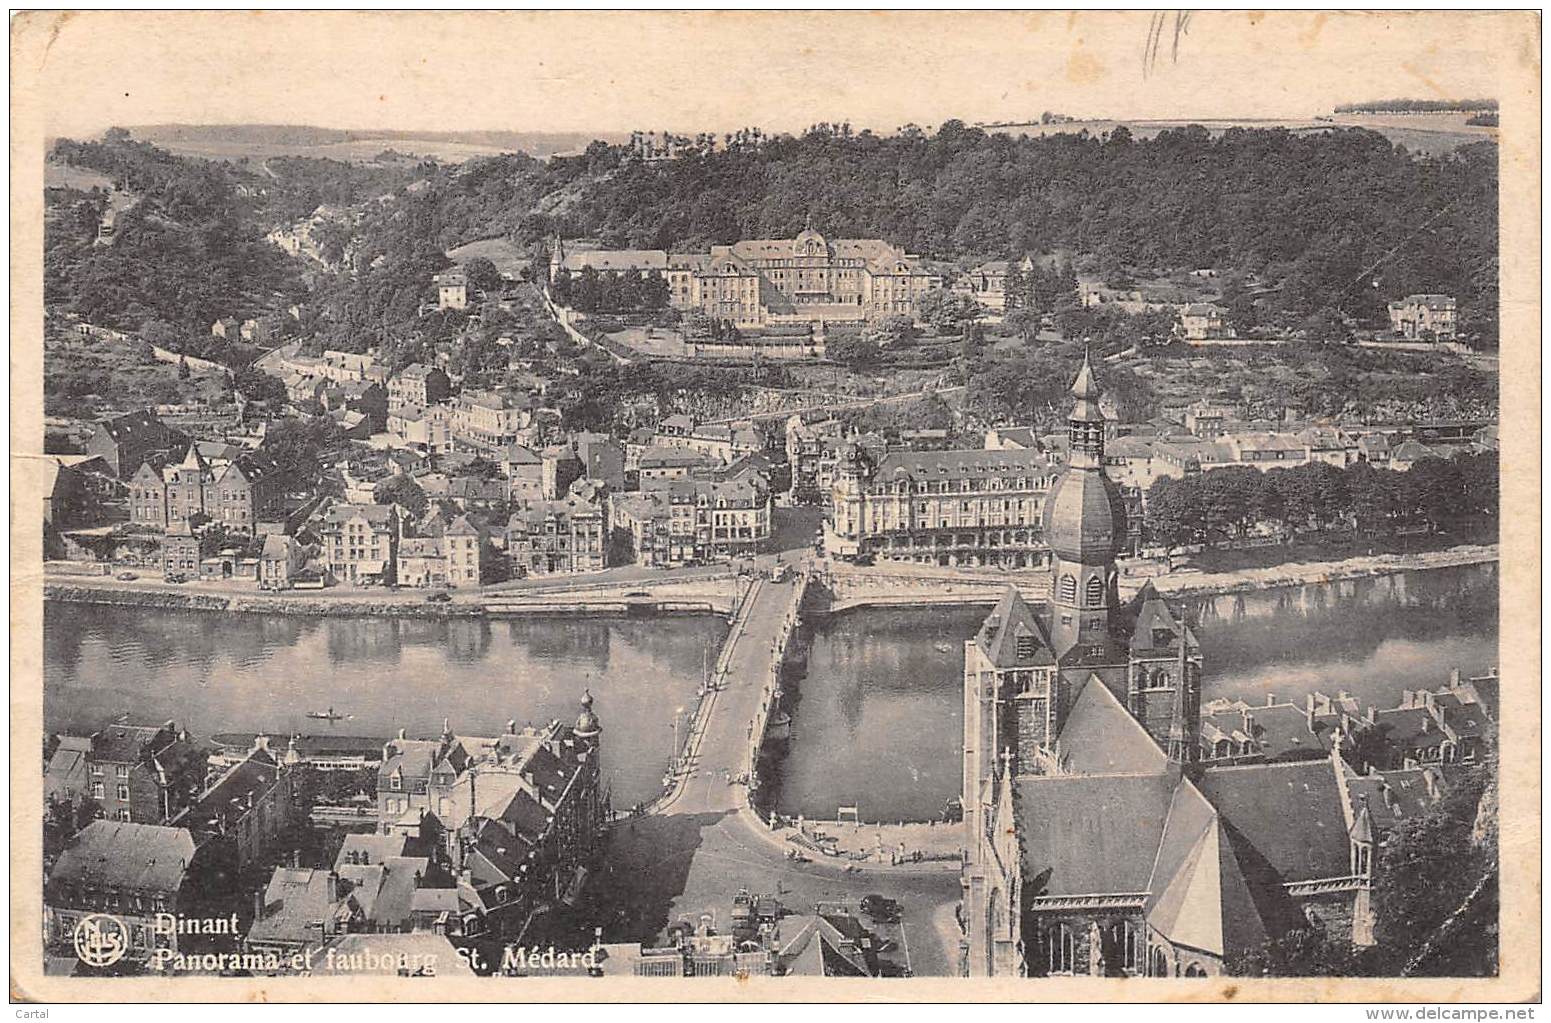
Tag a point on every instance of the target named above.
point(1097, 842)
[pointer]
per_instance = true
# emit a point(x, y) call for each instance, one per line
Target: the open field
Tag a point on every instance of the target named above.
point(508, 258)
point(66, 175)
point(1424, 133)
point(257, 142)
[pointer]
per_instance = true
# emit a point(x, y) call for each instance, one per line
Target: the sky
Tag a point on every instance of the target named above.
point(697, 71)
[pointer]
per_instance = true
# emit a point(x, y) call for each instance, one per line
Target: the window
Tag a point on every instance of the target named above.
point(1159, 965)
point(97, 792)
point(121, 771)
point(123, 815)
point(1095, 594)
point(1195, 970)
point(1061, 949)
point(1067, 590)
point(122, 793)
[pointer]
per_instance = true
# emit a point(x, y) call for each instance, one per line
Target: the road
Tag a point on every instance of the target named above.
point(702, 844)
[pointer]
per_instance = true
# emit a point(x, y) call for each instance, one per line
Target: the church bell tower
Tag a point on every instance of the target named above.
point(1085, 527)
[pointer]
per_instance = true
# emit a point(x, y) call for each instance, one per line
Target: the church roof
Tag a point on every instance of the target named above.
point(1100, 736)
point(1011, 620)
point(1095, 834)
point(1085, 517)
point(1291, 814)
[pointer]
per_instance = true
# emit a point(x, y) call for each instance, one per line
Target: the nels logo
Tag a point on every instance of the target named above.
point(101, 939)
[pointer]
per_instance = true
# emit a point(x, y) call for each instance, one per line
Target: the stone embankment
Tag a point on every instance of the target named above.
point(1190, 584)
point(277, 604)
point(849, 587)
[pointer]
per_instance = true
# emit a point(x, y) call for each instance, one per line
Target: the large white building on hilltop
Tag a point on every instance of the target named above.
point(770, 281)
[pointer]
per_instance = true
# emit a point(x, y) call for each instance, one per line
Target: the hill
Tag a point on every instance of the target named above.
point(259, 141)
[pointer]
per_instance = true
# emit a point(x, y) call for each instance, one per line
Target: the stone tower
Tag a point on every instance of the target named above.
point(1085, 527)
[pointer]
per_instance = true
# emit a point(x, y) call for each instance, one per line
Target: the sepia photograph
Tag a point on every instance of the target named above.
point(707, 505)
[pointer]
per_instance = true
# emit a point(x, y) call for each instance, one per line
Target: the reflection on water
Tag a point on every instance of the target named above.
point(259, 672)
point(879, 720)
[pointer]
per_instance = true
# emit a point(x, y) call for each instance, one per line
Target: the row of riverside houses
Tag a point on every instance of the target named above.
point(476, 837)
point(983, 507)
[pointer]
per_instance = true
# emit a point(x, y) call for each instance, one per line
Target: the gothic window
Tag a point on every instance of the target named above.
point(1125, 947)
point(1195, 970)
point(1161, 679)
point(1095, 595)
point(1026, 645)
point(1068, 589)
point(1061, 949)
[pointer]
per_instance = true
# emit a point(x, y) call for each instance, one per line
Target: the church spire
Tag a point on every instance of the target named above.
point(1185, 723)
point(1085, 425)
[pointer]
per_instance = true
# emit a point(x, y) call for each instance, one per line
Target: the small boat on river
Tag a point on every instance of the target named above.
point(328, 715)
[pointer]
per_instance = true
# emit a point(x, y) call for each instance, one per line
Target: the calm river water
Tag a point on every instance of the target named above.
point(216, 673)
point(878, 722)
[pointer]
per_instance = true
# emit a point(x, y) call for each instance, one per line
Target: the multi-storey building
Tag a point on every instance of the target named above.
point(134, 873)
point(236, 494)
point(1424, 316)
point(713, 520)
point(452, 289)
point(768, 281)
point(361, 541)
point(420, 385)
point(128, 440)
point(521, 815)
point(145, 774)
point(550, 537)
point(940, 507)
point(426, 429)
point(491, 420)
point(249, 806)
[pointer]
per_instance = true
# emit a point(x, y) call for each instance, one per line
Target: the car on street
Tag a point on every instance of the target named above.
point(125, 577)
point(881, 909)
point(439, 597)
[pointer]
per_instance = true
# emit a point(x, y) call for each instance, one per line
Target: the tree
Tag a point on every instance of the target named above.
point(1432, 867)
point(1175, 513)
point(404, 492)
point(1228, 498)
point(482, 275)
point(852, 350)
point(183, 371)
point(1025, 322)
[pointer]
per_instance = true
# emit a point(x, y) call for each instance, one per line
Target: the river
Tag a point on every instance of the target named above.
point(878, 722)
point(244, 672)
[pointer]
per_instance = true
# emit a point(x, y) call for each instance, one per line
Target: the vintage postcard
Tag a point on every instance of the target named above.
point(775, 506)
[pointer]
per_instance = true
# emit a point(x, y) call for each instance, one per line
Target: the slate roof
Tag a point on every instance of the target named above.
point(1290, 814)
point(1094, 833)
point(118, 854)
point(1011, 619)
point(961, 464)
point(1100, 736)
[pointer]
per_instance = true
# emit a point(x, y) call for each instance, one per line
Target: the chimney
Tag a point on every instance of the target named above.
point(1270, 699)
point(296, 857)
point(1454, 679)
point(258, 904)
point(333, 887)
point(1308, 710)
point(511, 727)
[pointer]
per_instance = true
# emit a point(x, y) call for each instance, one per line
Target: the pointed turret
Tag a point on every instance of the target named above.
point(1185, 724)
